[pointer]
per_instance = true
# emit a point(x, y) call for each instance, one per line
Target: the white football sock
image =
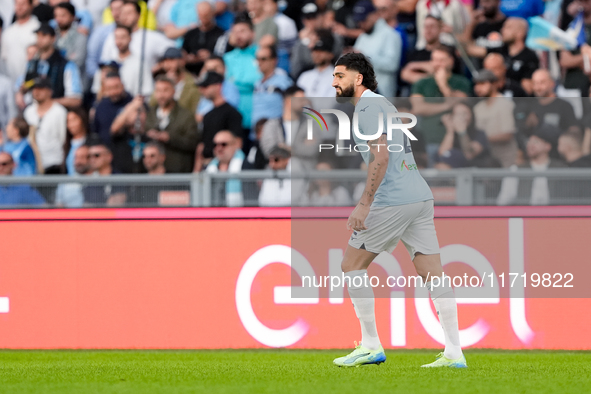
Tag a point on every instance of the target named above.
point(447, 311)
point(363, 300)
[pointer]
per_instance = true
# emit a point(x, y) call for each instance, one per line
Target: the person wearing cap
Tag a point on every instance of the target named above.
point(381, 44)
point(173, 126)
point(62, 74)
point(267, 101)
point(229, 90)
point(199, 43)
point(318, 81)
point(222, 116)
point(301, 53)
point(17, 37)
point(156, 42)
point(49, 119)
point(539, 190)
point(494, 116)
point(172, 64)
point(69, 40)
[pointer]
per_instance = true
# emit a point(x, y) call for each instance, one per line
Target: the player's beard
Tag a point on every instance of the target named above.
point(345, 94)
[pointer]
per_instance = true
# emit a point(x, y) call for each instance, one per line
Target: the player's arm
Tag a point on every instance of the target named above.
point(376, 169)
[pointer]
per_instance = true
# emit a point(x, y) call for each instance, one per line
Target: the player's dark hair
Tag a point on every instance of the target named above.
point(137, 6)
point(358, 62)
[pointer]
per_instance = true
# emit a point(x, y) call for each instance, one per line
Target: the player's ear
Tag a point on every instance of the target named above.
point(359, 79)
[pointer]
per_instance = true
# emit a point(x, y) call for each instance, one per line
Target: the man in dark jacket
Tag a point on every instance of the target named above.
point(172, 126)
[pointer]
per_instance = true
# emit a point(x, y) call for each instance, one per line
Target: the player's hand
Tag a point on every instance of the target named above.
point(357, 219)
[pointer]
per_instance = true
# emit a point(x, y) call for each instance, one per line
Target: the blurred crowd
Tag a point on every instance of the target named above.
point(94, 88)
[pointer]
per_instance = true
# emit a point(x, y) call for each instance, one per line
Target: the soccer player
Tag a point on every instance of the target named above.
point(396, 204)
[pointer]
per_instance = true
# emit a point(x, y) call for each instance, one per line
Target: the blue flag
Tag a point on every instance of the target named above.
point(545, 36)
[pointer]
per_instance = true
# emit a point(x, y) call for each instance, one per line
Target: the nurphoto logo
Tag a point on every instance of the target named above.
point(393, 122)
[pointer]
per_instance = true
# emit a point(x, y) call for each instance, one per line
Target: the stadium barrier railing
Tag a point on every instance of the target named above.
point(460, 187)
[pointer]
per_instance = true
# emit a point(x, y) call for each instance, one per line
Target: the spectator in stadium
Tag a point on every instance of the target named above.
point(48, 118)
point(69, 40)
point(229, 90)
point(228, 158)
point(172, 65)
point(301, 53)
point(199, 43)
point(118, 118)
point(82, 17)
point(241, 67)
point(255, 159)
point(62, 74)
point(276, 192)
point(340, 20)
point(494, 116)
point(15, 194)
point(173, 126)
point(487, 23)
point(183, 17)
point(380, 43)
point(70, 194)
point(318, 81)
point(115, 98)
point(435, 95)
point(324, 193)
point(19, 148)
point(223, 116)
point(263, 22)
point(148, 21)
point(17, 37)
point(154, 156)
point(548, 108)
point(77, 127)
point(287, 33)
point(267, 100)
point(291, 130)
point(570, 148)
point(520, 61)
point(156, 42)
point(464, 145)
point(495, 63)
point(100, 159)
point(453, 14)
point(539, 190)
point(98, 37)
point(8, 109)
point(388, 10)
point(577, 75)
point(129, 65)
point(419, 60)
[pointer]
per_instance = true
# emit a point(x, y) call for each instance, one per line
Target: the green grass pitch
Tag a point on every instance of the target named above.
point(287, 371)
